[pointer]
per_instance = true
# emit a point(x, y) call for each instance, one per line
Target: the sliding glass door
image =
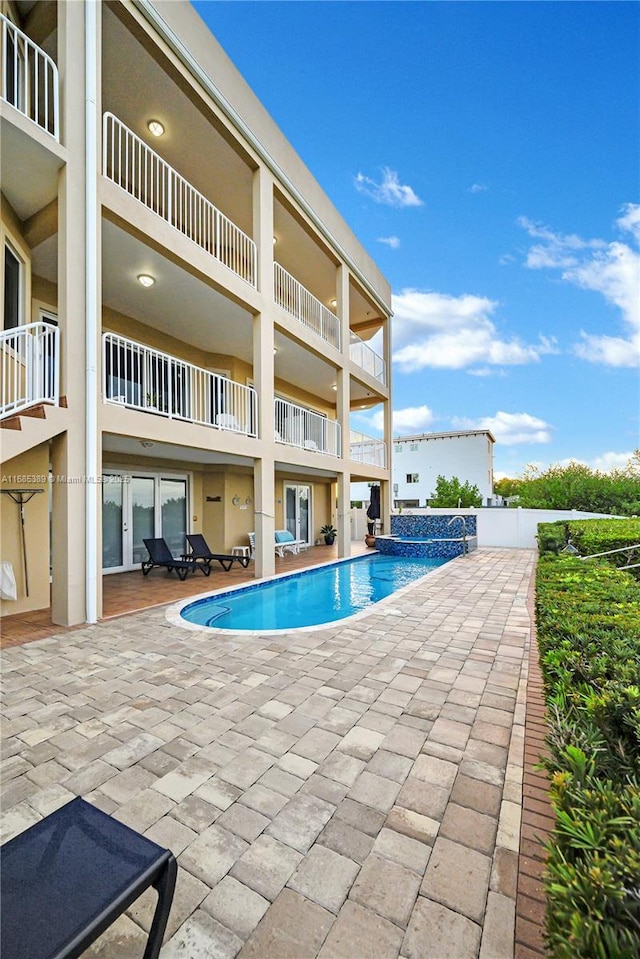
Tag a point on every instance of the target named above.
point(297, 500)
point(139, 506)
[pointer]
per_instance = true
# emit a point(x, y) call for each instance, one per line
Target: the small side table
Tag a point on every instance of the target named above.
point(240, 551)
point(68, 877)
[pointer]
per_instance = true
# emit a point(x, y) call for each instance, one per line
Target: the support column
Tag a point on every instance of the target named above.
point(386, 488)
point(264, 467)
point(342, 300)
point(263, 230)
point(68, 605)
point(264, 498)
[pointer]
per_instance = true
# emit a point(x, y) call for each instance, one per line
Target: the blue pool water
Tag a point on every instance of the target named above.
point(311, 597)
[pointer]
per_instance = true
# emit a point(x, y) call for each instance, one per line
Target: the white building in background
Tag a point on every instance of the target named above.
point(418, 461)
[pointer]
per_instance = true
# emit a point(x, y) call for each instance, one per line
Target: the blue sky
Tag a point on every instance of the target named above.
point(486, 154)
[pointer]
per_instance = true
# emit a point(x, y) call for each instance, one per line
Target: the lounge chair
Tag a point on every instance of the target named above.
point(287, 543)
point(68, 877)
point(283, 543)
point(202, 555)
point(160, 555)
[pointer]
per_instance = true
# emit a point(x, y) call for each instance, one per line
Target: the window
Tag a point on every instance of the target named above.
point(413, 478)
point(11, 289)
point(414, 448)
point(398, 447)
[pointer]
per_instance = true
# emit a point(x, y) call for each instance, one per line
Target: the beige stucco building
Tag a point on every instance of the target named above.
point(185, 314)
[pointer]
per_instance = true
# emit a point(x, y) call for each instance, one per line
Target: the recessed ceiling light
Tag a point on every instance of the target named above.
point(145, 280)
point(334, 302)
point(155, 128)
point(334, 386)
point(275, 240)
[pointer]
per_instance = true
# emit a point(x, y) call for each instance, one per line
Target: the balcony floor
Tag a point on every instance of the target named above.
point(130, 592)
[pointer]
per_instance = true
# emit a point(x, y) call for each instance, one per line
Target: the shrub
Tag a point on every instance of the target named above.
point(588, 619)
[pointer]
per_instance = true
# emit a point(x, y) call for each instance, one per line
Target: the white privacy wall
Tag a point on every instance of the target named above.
point(498, 526)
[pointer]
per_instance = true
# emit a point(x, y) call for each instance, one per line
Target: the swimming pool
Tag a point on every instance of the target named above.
point(309, 598)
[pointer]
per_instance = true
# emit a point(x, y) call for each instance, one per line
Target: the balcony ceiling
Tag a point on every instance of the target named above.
point(29, 168)
point(118, 445)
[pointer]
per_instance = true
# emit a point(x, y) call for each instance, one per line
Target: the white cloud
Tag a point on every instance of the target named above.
point(447, 332)
point(509, 429)
point(392, 241)
point(478, 188)
point(607, 462)
point(412, 419)
point(389, 191)
point(609, 268)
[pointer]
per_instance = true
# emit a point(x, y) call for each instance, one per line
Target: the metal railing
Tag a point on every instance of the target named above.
point(142, 173)
point(29, 80)
point(367, 449)
point(138, 377)
point(30, 365)
point(301, 427)
point(293, 297)
point(367, 359)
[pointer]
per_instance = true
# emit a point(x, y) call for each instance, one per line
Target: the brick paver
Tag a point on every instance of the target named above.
point(354, 791)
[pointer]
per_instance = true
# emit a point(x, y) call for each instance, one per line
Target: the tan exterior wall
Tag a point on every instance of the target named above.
point(29, 471)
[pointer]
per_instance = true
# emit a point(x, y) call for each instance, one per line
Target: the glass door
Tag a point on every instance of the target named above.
point(112, 522)
point(173, 507)
point(297, 500)
point(143, 517)
point(139, 506)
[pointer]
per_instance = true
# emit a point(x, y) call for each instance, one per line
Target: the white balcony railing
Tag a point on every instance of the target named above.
point(136, 168)
point(367, 359)
point(367, 449)
point(30, 362)
point(138, 377)
point(296, 300)
point(29, 80)
point(298, 426)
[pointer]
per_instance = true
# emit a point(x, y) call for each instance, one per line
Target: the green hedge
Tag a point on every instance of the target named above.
point(588, 619)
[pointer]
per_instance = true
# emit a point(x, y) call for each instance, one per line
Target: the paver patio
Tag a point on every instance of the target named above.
point(348, 792)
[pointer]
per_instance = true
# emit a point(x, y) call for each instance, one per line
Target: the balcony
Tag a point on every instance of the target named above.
point(144, 175)
point(143, 379)
point(29, 361)
point(367, 359)
point(296, 300)
point(301, 427)
point(29, 80)
point(367, 449)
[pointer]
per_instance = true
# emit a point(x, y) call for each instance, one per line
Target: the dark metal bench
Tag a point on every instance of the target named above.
point(68, 877)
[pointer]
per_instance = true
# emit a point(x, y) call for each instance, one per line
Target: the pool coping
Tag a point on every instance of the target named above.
point(173, 612)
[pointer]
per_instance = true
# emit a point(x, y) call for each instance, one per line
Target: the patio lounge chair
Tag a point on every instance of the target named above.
point(287, 543)
point(284, 543)
point(160, 555)
point(67, 878)
point(202, 555)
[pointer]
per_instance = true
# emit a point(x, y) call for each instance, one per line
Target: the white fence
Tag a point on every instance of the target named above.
point(367, 449)
point(503, 526)
point(29, 80)
point(144, 379)
point(29, 363)
point(301, 427)
point(141, 172)
point(367, 359)
point(293, 297)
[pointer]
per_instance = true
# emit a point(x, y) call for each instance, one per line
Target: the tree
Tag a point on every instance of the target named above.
point(506, 487)
point(576, 486)
point(451, 492)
